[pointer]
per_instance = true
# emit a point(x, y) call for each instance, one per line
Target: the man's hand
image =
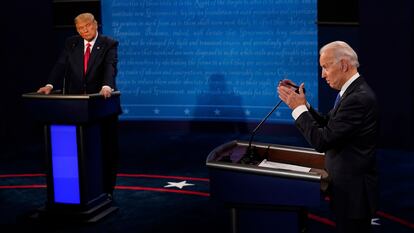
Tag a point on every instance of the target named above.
point(287, 83)
point(288, 94)
point(45, 90)
point(106, 91)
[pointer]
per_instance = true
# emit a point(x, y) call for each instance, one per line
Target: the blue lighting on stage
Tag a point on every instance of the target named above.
point(211, 60)
point(65, 164)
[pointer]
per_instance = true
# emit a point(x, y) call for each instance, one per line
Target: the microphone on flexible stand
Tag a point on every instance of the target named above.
point(64, 85)
point(251, 156)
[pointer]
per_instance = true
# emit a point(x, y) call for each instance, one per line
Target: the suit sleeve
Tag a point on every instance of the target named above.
point(339, 127)
point(110, 65)
point(321, 119)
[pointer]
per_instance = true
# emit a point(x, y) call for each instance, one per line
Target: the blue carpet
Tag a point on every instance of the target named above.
point(146, 205)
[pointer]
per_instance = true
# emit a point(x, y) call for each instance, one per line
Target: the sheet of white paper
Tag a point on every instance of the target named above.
point(284, 166)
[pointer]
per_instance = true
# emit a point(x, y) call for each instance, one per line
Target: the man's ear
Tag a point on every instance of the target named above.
point(344, 66)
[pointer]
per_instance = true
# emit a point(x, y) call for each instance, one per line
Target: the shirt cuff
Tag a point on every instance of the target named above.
point(49, 85)
point(298, 111)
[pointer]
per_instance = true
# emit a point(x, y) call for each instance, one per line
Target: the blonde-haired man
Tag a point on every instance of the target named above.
point(96, 73)
point(88, 64)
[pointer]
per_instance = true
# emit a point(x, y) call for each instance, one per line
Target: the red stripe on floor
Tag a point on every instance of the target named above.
point(395, 219)
point(162, 177)
point(323, 220)
point(21, 175)
point(31, 186)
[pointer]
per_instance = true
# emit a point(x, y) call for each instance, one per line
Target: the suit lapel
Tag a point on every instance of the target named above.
point(77, 58)
point(96, 50)
point(351, 88)
point(348, 91)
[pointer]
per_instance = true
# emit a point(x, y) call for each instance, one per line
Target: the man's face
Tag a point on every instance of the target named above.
point(331, 70)
point(87, 29)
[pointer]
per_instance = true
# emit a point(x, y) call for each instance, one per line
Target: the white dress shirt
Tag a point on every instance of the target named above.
point(303, 108)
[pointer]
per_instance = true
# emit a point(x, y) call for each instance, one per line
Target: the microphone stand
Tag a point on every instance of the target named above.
point(251, 156)
point(64, 86)
point(65, 75)
point(250, 152)
point(67, 72)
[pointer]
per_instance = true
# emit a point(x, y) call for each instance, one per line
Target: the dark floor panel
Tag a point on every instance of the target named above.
point(176, 154)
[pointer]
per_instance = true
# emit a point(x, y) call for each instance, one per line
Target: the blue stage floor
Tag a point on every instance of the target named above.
point(148, 201)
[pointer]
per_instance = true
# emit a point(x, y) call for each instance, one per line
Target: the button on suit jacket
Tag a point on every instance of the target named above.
point(348, 136)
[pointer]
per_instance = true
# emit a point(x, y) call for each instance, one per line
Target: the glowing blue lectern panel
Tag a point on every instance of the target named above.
point(65, 164)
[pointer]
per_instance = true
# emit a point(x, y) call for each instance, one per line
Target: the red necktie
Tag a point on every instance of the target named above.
point(86, 57)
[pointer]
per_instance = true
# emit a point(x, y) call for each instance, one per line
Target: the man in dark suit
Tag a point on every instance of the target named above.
point(88, 64)
point(347, 134)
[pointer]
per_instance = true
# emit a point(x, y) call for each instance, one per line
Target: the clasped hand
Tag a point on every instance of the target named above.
point(45, 90)
point(287, 93)
point(106, 92)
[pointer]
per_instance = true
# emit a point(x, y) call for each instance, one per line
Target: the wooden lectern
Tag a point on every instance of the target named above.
point(263, 198)
point(72, 129)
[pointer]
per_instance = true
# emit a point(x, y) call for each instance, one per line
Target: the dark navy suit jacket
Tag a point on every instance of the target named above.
point(102, 70)
point(102, 66)
point(348, 136)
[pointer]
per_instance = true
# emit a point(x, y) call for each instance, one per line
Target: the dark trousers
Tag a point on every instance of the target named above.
point(347, 225)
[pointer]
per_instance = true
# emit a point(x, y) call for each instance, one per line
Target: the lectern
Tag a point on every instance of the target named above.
point(270, 193)
point(73, 145)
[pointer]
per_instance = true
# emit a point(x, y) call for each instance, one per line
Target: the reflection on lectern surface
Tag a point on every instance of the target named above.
point(290, 161)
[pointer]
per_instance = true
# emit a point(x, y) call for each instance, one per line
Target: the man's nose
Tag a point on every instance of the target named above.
point(323, 74)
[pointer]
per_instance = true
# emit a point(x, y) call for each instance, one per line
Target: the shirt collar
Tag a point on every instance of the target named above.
point(347, 83)
point(90, 42)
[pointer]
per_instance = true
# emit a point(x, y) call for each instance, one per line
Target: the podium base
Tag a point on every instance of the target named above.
point(62, 215)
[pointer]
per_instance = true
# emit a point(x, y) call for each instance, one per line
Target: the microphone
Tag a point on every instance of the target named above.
point(251, 157)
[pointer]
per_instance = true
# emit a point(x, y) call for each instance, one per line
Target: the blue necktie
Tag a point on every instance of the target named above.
point(337, 100)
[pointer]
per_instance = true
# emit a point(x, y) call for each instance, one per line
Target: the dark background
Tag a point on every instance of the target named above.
point(380, 31)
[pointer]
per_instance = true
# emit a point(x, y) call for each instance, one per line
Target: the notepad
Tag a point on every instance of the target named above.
point(284, 166)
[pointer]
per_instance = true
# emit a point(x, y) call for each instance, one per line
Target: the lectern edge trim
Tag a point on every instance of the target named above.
point(266, 171)
point(60, 96)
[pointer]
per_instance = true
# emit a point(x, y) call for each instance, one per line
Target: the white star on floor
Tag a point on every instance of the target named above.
point(374, 221)
point(179, 185)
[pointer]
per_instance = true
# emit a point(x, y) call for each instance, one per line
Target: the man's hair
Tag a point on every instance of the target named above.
point(85, 17)
point(342, 50)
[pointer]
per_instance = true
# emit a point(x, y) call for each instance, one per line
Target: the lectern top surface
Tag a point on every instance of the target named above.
point(71, 96)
